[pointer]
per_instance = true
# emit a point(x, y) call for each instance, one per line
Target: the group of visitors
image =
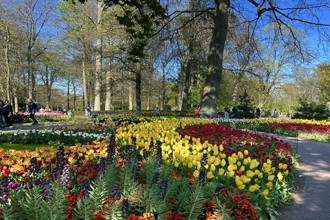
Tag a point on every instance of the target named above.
point(6, 114)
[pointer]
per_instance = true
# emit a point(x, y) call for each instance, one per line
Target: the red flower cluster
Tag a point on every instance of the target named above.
point(304, 128)
point(240, 205)
point(233, 140)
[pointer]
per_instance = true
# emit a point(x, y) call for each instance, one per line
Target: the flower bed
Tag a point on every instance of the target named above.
point(50, 137)
point(53, 116)
point(159, 169)
point(316, 130)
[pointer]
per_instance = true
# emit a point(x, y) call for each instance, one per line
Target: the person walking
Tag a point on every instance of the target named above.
point(32, 110)
point(157, 112)
point(197, 109)
point(88, 111)
point(258, 112)
point(2, 114)
point(8, 113)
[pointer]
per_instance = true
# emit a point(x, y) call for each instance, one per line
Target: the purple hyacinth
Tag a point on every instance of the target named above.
point(34, 166)
point(155, 178)
point(204, 160)
point(116, 193)
point(201, 177)
point(65, 177)
point(163, 188)
point(145, 153)
point(86, 185)
point(60, 159)
point(101, 167)
point(152, 145)
point(159, 156)
point(125, 208)
point(111, 150)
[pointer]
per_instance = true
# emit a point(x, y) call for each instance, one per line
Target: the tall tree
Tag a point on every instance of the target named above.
point(50, 69)
point(79, 38)
point(33, 16)
point(290, 15)
point(98, 60)
point(322, 75)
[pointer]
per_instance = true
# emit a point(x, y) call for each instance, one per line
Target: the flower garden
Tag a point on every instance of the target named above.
point(143, 167)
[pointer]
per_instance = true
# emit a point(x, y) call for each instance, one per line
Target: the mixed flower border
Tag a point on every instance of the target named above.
point(248, 174)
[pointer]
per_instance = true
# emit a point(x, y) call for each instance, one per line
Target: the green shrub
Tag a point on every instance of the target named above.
point(312, 110)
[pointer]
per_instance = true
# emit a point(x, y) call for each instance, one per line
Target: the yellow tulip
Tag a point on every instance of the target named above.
point(265, 192)
point(245, 179)
point(241, 187)
point(280, 176)
point(269, 185)
point(217, 161)
point(223, 162)
point(249, 173)
point(254, 188)
point(246, 161)
point(196, 173)
point(240, 155)
point(212, 167)
point(231, 173)
point(221, 171)
point(209, 175)
point(271, 177)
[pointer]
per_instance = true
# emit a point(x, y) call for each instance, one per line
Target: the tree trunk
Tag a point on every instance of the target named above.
point(130, 92)
point(235, 90)
point(98, 59)
point(84, 77)
point(163, 92)
point(138, 81)
point(29, 72)
point(149, 93)
point(68, 94)
point(108, 88)
point(209, 105)
point(8, 78)
point(187, 81)
point(48, 87)
point(74, 87)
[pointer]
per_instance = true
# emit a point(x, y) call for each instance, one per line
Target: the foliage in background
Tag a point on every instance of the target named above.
point(322, 74)
point(312, 110)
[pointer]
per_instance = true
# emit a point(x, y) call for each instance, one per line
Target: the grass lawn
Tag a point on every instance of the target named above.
point(30, 147)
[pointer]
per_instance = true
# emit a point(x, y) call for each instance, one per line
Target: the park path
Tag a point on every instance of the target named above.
point(311, 201)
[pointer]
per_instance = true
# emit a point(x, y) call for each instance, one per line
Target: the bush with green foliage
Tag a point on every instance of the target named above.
point(312, 110)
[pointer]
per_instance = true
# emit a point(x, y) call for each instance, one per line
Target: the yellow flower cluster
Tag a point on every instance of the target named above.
point(238, 169)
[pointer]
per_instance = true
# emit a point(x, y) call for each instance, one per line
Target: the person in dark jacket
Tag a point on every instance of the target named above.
point(8, 113)
point(2, 114)
point(32, 110)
